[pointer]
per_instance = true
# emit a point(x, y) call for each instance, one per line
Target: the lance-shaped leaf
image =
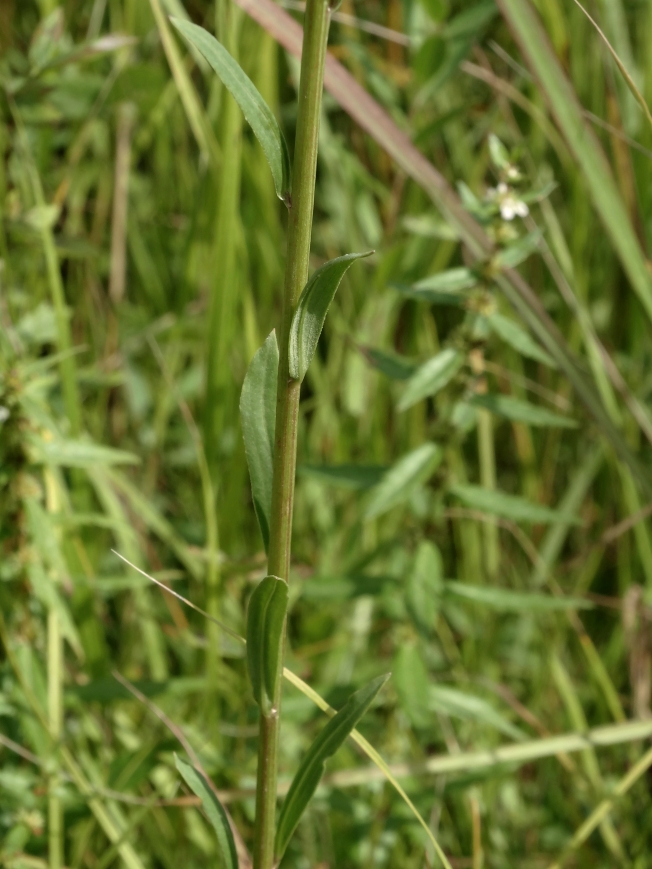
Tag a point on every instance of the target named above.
point(256, 111)
point(309, 774)
point(432, 376)
point(258, 416)
point(214, 812)
point(509, 506)
point(403, 478)
point(265, 619)
point(519, 339)
point(310, 315)
point(522, 411)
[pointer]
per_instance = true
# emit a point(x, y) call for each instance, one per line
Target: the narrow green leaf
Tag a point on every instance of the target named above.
point(403, 478)
point(519, 339)
point(258, 417)
point(310, 315)
point(432, 376)
point(509, 506)
point(505, 600)
point(78, 453)
point(265, 620)
point(390, 364)
point(354, 477)
point(522, 411)
point(214, 812)
point(309, 774)
point(518, 251)
point(424, 587)
point(244, 92)
point(444, 288)
point(470, 707)
point(412, 683)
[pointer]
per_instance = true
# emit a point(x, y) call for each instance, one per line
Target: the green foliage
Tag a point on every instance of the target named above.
point(265, 631)
point(307, 778)
point(215, 812)
point(312, 307)
point(258, 418)
point(489, 543)
point(244, 92)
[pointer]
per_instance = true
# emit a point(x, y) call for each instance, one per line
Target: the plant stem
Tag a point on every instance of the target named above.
point(55, 705)
point(315, 37)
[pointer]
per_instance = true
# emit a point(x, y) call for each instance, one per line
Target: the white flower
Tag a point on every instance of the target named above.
point(510, 206)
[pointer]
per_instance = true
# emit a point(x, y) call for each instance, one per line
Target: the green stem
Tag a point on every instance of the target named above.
point(55, 706)
point(313, 58)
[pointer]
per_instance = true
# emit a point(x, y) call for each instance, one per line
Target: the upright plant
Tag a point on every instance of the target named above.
point(269, 408)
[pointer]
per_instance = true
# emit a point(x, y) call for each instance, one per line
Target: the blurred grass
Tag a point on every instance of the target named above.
point(154, 370)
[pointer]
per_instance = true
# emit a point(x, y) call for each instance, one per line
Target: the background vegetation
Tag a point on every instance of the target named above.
point(502, 567)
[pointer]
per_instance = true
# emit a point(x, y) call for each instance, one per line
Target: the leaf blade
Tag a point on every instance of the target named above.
point(256, 111)
point(312, 307)
point(521, 411)
point(307, 777)
point(258, 418)
point(511, 507)
point(265, 621)
point(214, 811)
point(401, 480)
point(431, 377)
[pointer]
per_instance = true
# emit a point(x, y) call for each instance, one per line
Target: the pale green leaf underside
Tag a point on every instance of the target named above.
point(309, 774)
point(265, 621)
point(402, 479)
point(214, 812)
point(258, 417)
point(256, 111)
point(430, 377)
point(511, 507)
point(522, 411)
point(310, 315)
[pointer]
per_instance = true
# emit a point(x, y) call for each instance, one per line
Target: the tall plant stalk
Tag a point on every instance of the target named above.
point(287, 407)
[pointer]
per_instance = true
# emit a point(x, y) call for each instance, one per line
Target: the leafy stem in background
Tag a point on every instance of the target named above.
point(287, 399)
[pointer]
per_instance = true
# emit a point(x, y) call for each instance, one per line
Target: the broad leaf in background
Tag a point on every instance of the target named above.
point(518, 251)
point(412, 682)
point(265, 619)
point(390, 364)
point(461, 704)
point(312, 307)
point(308, 776)
point(258, 417)
point(519, 339)
point(505, 600)
point(402, 479)
point(214, 812)
point(432, 376)
point(354, 477)
point(77, 454)
point(522, 411)
point(444, 288)
point(425, 586)
point(256, 111)
point(511, 507)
